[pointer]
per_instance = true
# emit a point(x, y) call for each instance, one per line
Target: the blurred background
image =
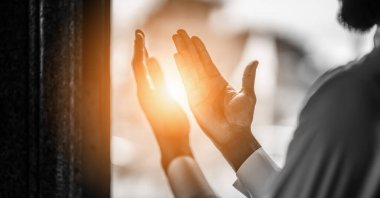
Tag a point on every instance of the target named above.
point(295, 41)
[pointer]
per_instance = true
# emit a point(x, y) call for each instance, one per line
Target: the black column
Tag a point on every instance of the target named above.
point(54, 98)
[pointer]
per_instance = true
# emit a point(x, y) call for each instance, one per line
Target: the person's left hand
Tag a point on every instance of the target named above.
point(167, 119)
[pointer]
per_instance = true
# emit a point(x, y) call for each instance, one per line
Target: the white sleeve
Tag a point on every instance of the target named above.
point(256, 174)
point(187, 180)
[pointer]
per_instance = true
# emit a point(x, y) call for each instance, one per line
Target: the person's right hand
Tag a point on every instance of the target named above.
point(168, 120)
point(223, 113)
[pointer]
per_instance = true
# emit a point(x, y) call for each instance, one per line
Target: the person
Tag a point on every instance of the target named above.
point(335, 151)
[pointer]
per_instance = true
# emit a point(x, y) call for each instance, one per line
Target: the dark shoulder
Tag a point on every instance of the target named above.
point(348, 98)
point(344, 110)
point(354, 82)
point(359, 79)
point(353, 87)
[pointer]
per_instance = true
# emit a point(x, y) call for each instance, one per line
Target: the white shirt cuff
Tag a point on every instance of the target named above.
point(256, 174)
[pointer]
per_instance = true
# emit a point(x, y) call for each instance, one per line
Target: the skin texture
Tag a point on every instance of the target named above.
point(224, 114)
point(167, 119)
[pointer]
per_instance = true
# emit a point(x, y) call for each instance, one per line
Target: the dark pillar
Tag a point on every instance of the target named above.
point(54, 98)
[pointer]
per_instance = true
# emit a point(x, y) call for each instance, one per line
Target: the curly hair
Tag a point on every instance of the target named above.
point(359, 15)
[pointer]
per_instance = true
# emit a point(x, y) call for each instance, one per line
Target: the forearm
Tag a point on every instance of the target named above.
point(239, 148)
point(186, 179)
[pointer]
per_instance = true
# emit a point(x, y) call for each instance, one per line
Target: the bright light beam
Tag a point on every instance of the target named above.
point(177, 91)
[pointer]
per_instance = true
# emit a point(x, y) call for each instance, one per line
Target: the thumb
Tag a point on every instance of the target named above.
point(249, 76)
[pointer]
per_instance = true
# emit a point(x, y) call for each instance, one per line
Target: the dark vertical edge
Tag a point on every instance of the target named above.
point(76, 132)
point(42, 169)
point(33, 98)
point(59, 62)
point(68, 98)
point(96, 99)
point(57, 121)
point(74, 68)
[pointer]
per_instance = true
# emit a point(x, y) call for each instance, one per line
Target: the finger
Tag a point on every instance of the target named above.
point(209, 66)
point(138, 63)
point(249, 78)
point(183, 57)
point(156, 74)
point(198, 65)
point(138, 56)
point(185, 71)
point(138, 31)
point(179, 43)
point(146, 52)
point(182, 51)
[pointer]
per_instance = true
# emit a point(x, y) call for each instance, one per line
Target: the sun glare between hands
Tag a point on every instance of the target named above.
point(176, 91)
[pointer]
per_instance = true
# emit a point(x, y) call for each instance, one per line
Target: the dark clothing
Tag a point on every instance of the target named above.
point(335, 151)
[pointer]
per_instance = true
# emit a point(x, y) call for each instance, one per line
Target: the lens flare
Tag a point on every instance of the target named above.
point(177, 91)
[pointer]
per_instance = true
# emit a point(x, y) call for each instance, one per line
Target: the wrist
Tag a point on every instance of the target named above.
point(169, 155)
point(239, 148)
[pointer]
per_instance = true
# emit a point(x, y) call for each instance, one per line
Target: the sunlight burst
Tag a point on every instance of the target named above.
point(177, 92)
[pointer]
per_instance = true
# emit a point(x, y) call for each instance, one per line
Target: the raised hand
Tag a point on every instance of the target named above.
point(166, 117)
point(224, 114)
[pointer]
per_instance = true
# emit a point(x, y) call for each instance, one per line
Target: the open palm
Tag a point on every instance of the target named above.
point(222, 112)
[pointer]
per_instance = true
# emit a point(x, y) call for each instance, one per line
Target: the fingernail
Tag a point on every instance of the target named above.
point(194, 38)
point(139, 31)
point(175, 37)
point(180, 30)
point(255, 63)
